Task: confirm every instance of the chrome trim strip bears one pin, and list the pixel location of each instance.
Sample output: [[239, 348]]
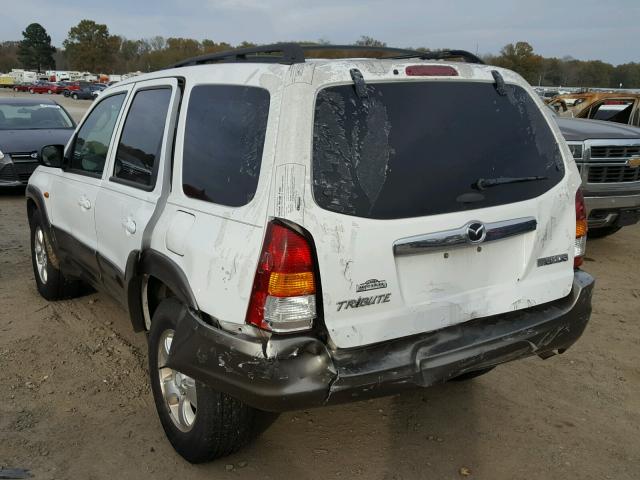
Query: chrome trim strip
[[457, 237]]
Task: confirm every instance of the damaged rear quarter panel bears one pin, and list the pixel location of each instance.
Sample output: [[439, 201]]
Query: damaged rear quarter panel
[[223, 244]]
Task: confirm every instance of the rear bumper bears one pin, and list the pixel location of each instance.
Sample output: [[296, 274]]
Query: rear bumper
[[289, 373], [606, 209]]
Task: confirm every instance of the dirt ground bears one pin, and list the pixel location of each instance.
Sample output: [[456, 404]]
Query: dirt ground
[[75, 401]]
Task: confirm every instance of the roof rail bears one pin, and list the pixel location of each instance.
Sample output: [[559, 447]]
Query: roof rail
[[445, 55], [363, 48], [291, 53]]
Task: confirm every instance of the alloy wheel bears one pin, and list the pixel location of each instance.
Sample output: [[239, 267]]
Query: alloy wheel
[[178, 390], [40, 253]]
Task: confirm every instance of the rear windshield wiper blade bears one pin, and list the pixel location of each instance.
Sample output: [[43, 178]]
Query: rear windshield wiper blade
[[483, 183]]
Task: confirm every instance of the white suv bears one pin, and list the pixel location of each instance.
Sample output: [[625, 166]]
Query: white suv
[[295, 233]]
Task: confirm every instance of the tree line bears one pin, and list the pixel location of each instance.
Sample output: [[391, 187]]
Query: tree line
[[90, 46]]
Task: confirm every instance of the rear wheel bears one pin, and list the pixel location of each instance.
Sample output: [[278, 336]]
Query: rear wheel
[[602, 232], [74, 96], [52, 284], [201, 423]]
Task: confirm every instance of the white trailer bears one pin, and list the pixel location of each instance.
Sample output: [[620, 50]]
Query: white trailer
[[23, 76]]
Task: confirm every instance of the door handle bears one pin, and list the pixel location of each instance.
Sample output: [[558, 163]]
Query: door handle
[[129, 225], [84, 203]]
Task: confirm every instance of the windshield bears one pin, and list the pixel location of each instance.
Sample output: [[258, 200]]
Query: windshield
[[16, 116], [420, 148]]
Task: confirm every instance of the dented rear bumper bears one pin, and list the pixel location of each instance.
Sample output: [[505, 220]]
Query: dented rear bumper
[[290, 373]]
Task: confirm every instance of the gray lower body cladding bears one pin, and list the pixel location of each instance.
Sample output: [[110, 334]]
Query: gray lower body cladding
[[296, 372]]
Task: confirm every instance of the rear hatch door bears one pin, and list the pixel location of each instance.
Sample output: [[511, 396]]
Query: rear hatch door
[[435, 202]]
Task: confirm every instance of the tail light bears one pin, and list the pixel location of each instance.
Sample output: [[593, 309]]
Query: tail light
[[283, 298], [581, 229]]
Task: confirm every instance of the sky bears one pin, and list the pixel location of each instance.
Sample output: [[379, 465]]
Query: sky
[[606, 30]]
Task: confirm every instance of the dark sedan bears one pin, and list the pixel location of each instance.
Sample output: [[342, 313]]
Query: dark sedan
[[88, 92], [27, 125]]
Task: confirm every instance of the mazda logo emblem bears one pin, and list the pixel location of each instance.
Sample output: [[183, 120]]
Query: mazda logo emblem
[[476, 232]]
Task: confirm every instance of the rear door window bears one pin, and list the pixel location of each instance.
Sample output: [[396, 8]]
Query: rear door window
[[420, 148], [223, 143], [136, 162]]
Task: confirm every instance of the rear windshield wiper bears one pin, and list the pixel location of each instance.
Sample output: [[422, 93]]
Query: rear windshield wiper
[[483, 183]]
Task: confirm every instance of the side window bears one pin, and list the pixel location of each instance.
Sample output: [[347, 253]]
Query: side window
[[139, 147], [617, 111], [92, 141], [223, 142]]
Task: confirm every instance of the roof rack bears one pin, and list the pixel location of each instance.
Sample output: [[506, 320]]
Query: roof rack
[[289, 53], [445, 55], [362, 48], [292, 53]]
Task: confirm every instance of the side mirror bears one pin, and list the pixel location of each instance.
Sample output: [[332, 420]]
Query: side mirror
[[52, 156]]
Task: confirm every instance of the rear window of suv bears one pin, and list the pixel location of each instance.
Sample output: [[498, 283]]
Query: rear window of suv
[[417, 149]]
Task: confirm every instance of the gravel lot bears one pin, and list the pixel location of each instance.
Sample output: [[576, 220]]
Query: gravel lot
[[76, 402]]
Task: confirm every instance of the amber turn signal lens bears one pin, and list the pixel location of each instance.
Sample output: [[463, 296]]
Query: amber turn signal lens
[[581, 228], [291, 284]]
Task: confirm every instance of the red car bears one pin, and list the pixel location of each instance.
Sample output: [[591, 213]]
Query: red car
[[72, 87], [57, 87], [22, 87], [44, 87]]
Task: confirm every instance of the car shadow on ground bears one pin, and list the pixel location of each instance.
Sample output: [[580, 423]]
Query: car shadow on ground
[[12, 191], [415, 434]]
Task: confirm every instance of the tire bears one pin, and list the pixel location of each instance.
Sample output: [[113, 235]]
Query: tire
[[217, 425], [602, 231], [469, 375], [74, 96], [52, 284]]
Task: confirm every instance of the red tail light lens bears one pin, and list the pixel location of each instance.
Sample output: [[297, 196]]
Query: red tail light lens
[[431, 71], [581, 229], [283, 295]]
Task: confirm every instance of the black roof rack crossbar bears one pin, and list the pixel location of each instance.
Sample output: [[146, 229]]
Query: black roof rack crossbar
[[445, 55], [288, 53], [291, 53], [363, 48]]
